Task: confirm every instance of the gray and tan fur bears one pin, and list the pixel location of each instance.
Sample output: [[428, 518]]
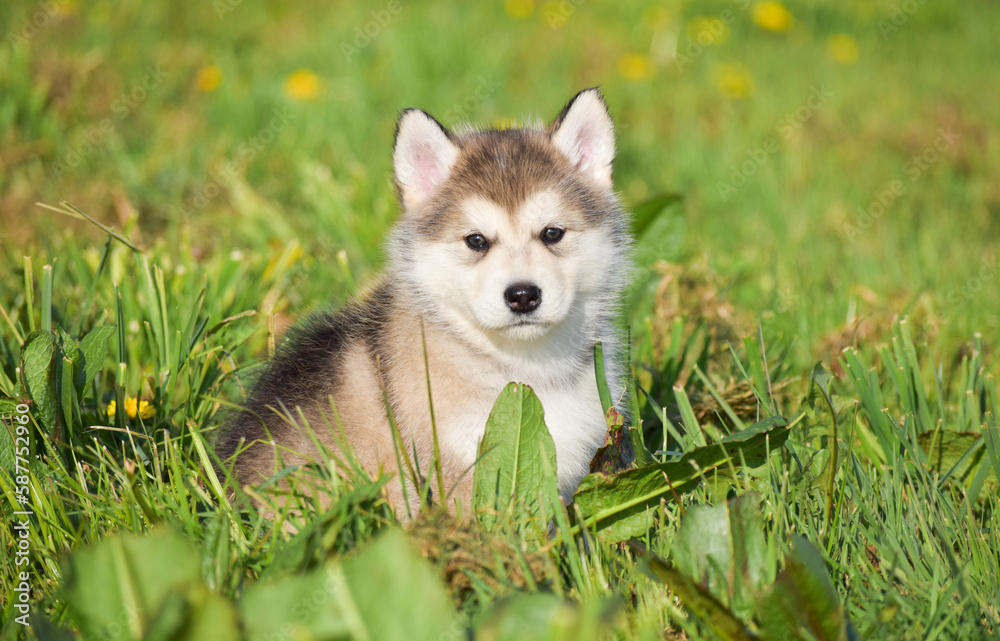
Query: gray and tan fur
[[502, 297]]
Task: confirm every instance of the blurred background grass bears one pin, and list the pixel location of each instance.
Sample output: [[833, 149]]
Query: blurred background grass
[[817, 168], [229, 126]]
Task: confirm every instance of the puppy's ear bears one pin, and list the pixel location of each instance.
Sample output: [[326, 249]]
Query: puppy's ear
[[422, 157], [584, 133]]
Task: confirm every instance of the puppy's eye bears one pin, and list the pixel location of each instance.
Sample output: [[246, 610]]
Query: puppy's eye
[[477, 242], [552, 235]]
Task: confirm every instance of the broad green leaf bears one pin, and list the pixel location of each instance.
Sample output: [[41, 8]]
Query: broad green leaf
[[314, 605], [645, 213], [623, 503], [663, 231], [696, 599], [723, 548], [510, 473], [803, 603], [38, 376], [68, 347], [702, 547], [546, 617], [823, 379], [398, 595], [118, 587], [385, 593], [198, 615], [955, 455], [94, 348], [746, 526]]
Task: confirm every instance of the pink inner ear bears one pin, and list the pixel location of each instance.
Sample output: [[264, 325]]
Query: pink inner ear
[[428, 170], [584, 148]]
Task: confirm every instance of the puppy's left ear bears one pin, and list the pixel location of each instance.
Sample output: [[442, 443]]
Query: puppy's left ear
[[584, 133]]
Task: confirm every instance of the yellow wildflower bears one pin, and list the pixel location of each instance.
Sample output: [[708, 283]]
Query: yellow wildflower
[[735, 80], [208, 78], [773, 16], [635, 67], [505, 123], [706, 30], [133, 407], [842, 48], [519, 9], [302, 85]]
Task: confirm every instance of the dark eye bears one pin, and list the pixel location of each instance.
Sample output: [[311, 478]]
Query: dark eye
[[477, 242], [552, 235]]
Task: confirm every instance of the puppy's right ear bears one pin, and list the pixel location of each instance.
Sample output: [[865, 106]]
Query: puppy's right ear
[[422, 157]]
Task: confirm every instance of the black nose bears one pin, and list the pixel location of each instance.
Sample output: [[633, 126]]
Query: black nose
[[523, 297]]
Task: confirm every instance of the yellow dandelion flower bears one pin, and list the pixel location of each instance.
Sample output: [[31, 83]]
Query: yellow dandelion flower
[[842, 48], [505, 123], [707, 30], [302, 85], [772, 16], [208, 78], [635, 67], [735, 80], [133, 407], [519, 9]]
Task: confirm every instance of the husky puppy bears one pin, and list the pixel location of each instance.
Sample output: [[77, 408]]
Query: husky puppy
[[508, 263]]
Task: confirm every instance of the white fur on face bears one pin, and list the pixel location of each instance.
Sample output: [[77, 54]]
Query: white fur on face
[[469, 287]]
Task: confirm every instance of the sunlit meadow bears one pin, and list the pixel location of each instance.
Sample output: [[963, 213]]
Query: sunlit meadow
[[817, 220]]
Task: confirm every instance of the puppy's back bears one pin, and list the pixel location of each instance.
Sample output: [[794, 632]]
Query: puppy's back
[[306, 372]]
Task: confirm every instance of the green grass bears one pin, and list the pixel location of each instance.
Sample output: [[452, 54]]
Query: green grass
[[890, 472]]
